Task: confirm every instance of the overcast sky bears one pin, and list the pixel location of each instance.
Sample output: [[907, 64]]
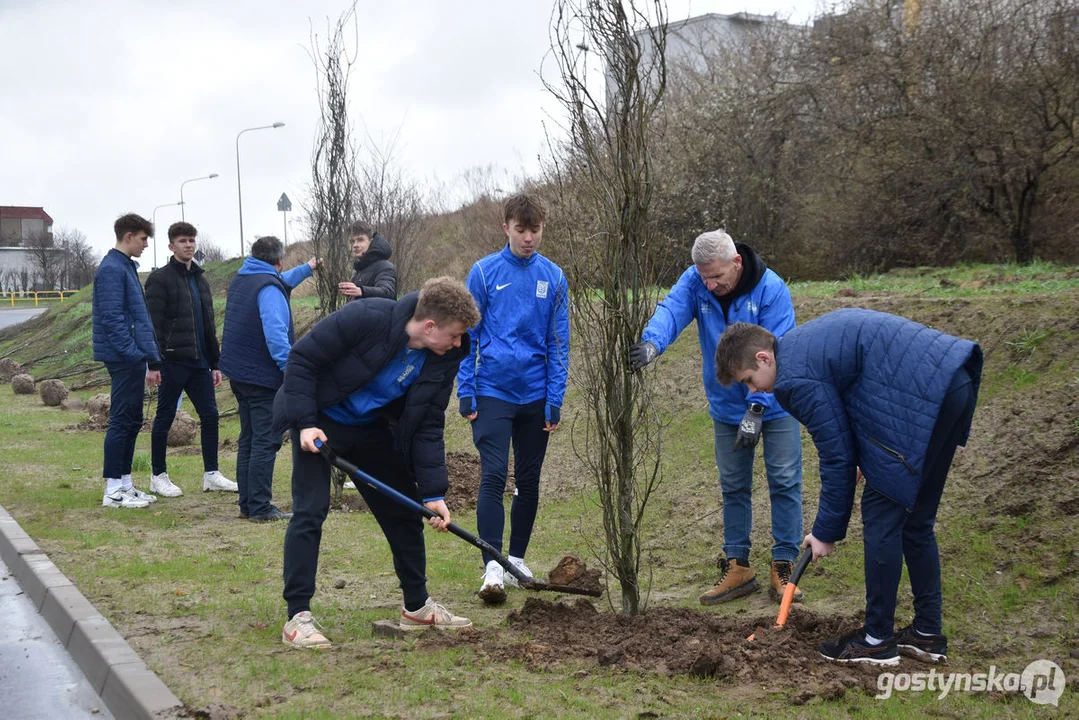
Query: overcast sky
[[107, 106]]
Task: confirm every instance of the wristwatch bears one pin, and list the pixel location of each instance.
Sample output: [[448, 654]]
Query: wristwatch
[[756, 408]]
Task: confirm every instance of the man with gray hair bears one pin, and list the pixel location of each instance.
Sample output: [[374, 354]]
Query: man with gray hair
[[256, 341], [730, 283]]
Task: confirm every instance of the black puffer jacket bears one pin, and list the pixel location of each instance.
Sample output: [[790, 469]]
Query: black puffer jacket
[[374, 273], [168, 297], [344, 352]]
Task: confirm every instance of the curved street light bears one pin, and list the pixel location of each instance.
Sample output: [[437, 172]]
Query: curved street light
[[153, 220], [239, 192], [183, 215]]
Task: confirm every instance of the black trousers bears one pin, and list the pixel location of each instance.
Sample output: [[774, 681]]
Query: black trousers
[[370, 448]]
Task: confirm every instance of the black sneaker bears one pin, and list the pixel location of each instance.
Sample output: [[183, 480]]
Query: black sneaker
[[854, 648], [274, 514], [927, 648]]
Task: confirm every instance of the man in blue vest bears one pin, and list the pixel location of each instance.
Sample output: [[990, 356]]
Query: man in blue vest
[[511, 387], [256, 341], [891, 397], [730, 283], [123, 339], [372, 381], [182, 310]]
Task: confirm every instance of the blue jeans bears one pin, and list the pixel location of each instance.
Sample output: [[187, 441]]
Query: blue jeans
[[257, 448], [125, 417], [892, 534], [199, 384], [497, 425], [782, 440]]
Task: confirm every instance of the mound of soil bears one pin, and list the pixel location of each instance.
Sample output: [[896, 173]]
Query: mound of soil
[[678, 641], [53, 392], [572, 571], [23, 384]]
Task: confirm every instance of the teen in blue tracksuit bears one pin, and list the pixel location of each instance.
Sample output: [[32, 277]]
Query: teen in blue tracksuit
[[255, 344], [891, 397], [124, 340], [730, 283], [512, 385]]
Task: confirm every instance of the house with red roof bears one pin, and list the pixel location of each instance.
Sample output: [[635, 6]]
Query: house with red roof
[[18, 224]]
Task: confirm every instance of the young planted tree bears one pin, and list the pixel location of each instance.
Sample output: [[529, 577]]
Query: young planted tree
[[333, 179], [603, 176]]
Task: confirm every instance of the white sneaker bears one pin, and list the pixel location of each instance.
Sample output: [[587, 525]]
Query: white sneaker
[[432, 614], [121, 499], [162, 485], [493, 591], [349, 485], [216, 481], [301, 632], [140, 495], [520, 565]]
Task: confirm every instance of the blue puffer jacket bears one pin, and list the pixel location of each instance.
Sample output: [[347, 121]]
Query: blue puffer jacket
[[768, 304], [521, 344], [122, 330], [868, 386]]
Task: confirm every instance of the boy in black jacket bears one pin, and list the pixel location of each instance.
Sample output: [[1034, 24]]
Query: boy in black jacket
[[182, 310], [372, 381]]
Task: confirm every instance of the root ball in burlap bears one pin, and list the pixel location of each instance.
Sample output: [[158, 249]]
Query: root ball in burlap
[[53, 392], [183, 429], [9, 369], [23, 384]]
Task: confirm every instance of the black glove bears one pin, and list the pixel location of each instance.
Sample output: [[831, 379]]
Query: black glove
[[466, 406], [640, 354], [749, 431]]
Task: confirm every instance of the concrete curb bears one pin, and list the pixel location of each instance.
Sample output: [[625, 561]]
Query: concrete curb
[[127, 687]]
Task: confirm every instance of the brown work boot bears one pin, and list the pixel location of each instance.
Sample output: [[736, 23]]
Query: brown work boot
[[737, 581], [781, 575]]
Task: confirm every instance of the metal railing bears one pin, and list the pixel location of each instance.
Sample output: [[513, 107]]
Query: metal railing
[[17, 299]]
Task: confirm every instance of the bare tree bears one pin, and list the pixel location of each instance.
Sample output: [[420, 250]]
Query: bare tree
[[333, 180], [80, 259], [46, 259], [603, 177], [395, 205], [211, 251]]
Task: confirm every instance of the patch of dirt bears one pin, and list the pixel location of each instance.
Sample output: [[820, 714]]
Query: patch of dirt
[[677, 641], [572, 571], [464, 472]]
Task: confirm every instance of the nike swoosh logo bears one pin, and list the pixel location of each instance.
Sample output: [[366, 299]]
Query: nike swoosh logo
[[292, 635], [499, 287]]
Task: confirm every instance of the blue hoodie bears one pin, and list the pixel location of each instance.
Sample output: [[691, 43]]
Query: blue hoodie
[[520, 348], [767, 303]]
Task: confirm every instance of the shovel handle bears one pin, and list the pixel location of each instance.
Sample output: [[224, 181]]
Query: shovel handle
[[360, 476], [792, 586]]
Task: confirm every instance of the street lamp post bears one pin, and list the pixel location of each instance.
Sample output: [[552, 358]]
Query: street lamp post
[[239, 192], [153, 220], [183, 215]]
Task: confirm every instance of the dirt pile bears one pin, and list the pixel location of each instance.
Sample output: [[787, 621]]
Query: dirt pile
[[53, 392], [572, 571], [22, 384]]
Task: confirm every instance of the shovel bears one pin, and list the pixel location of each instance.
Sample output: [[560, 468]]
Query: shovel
[[525, 581], [789, 591]]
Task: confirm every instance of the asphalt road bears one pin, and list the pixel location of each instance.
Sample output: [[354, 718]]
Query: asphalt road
[[12, 316]]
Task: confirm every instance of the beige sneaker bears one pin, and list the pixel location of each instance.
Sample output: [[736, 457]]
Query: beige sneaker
[[432, 614], [301, 632]]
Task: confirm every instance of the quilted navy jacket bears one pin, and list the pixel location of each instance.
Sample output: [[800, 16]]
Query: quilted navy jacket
[[345, 351], [868, 386], [122, 330]]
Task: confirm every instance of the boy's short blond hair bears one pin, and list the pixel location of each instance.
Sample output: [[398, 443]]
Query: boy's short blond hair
[[445, 300]]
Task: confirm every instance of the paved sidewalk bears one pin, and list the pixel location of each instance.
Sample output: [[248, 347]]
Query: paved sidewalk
[[38, 679]]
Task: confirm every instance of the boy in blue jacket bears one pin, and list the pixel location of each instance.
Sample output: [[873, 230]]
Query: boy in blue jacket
[[729, 282], [123, 338], [512, 385], [892, 398]]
